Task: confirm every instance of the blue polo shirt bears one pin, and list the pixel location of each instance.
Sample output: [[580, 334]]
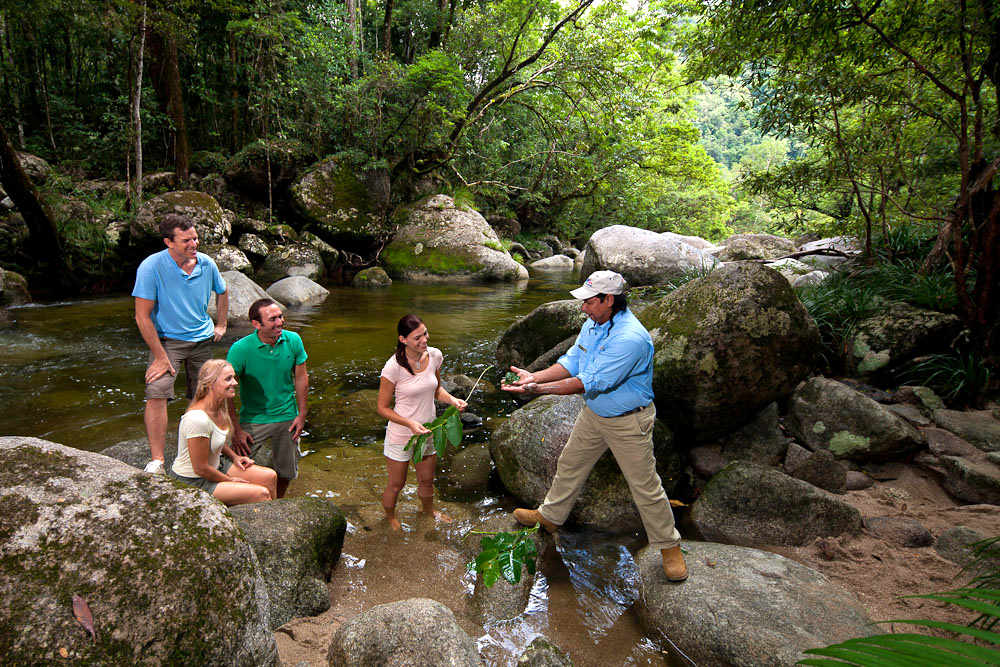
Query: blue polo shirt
[[614, 363], [181, 308]]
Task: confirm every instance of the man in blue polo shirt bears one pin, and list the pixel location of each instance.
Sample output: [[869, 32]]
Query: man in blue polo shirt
[[611, 364], [172, 289], [271, 366]]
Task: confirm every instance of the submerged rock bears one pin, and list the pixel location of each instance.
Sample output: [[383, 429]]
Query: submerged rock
[[374, 276], [465, 474], [744, 607], [145, 554], [753, 505], [553, 263], [543, 653], [298, 543], [417, 632], [503, 600], [641, 256]]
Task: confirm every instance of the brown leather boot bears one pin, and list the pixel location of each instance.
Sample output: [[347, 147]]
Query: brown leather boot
[[673, 564], [527, 517]]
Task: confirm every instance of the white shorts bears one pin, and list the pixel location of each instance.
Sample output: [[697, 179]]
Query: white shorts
[[397, 453]]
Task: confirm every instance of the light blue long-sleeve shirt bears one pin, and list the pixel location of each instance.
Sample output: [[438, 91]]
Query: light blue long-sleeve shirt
[[614, 363]]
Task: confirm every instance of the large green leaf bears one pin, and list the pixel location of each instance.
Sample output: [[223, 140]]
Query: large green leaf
[[440, 441], [454, 427]]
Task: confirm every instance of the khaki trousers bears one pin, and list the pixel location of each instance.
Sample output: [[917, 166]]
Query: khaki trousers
[[630, 438]]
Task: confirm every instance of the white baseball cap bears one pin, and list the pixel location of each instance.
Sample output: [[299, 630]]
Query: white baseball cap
[[600, 282]]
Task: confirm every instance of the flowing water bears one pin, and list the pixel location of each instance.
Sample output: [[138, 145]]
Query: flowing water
[[71, 373]]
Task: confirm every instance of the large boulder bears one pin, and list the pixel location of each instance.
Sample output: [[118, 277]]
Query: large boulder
[[229, 258], [372, 277], [642, 257], [202, 209], [696, 241], [979, 427], [754, 505], [727, 345], [745, 607], [247, 171], [35, 168], [342, 205], [295, 259], [884, 341], [297, 542], [538, 332], [438, 240], [166, 573], [526, 449], [826, 414], [740, 247], [242, 293], [13, 288], [254, 246], [416, 632], [553, 263], [297, 290]]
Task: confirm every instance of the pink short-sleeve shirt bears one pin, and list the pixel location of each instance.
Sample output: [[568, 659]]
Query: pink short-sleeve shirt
[[414, 396]]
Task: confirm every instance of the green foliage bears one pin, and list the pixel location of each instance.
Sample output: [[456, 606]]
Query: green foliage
[[510, 378], [962, 378], [446, 428], [837, 305], [504, 555]]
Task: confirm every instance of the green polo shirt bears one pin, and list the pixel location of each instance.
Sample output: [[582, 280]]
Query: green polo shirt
[[267, 377]]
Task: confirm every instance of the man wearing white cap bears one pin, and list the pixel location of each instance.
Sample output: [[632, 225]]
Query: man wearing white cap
[[611, 364]]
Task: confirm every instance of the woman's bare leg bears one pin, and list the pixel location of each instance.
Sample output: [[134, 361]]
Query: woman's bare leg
[[396, 471], [425, 487], [260, 475], [241, 493]]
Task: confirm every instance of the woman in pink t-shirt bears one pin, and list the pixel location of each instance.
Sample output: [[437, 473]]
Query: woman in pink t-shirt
[[410, 382]]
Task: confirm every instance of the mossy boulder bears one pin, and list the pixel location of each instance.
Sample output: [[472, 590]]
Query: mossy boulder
[[754, 505], [754, 246], [202, 209], [229, 258], [330, 255], [744, 607], [727, 345], [254, 246], [440, 241], [242, 293], [13, 288], [374, 276], [417, 632], [247, 171], [641, 256], [342, 205], [826, 414], [537, 332], [297, 542], [527, 446], [296, 259], [167, 574], [884, 341]]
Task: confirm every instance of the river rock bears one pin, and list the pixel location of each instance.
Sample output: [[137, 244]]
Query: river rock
[[330, 255], [503, 600], [740, 247], [440, 241], [754, 505], [374, 276], [136, 452], [343, 205], [543, 653], [790, 268], [921, 397], [13, 288], [158, 182], [910, 413], [13, 233], [553, 263], [641, 256], [899, 531], [527, 446], [297, 542], [417, 632], [145, 554], [200, 208], [820, 469], [978, 427], [247, 171], [830, 415], [727, 345], [744, 607], [957, 545], [537, 332], [297, 290], [291, 260], [465, 475], [972, 479], [242, 293], [229, 258], [848, 245], [857, 481], [254, 246], [695, 241], [895, 335]]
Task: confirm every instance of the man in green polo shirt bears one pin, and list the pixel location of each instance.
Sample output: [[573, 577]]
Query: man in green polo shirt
[[271, 366]]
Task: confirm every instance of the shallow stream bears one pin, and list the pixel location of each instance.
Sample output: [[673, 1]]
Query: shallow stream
[[71, 373]]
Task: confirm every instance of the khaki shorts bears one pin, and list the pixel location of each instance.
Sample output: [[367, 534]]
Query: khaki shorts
[[284, 450], [182, 354]]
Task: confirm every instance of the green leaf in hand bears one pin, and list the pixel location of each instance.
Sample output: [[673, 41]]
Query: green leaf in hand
[[510, 378]]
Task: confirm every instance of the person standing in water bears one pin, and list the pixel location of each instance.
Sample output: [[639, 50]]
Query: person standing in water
[[410, 381]]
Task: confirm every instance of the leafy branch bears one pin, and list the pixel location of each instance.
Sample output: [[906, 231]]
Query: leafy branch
[[504, 555]]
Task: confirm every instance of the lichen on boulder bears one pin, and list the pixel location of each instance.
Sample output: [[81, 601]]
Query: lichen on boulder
[[340, 204], [202, 209], [896, 334]]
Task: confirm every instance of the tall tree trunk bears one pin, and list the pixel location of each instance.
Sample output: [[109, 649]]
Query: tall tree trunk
[[167, 79], [44, 243], [136, 190], [387, 30], [352, 43], [234, 93]]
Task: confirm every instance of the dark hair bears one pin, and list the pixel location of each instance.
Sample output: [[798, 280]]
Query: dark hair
[[172, 221], [257, 306], [619, 304], [406, 325]]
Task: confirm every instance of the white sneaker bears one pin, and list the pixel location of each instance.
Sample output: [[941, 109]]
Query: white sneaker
[[156, 467]]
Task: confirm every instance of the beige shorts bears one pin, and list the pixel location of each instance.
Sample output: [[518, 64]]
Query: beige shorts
[[397, 453], [182, 354], [284, 450]]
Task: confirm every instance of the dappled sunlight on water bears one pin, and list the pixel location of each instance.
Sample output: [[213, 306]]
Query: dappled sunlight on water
[[72, 373]]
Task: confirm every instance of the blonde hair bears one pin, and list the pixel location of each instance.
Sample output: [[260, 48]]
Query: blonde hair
[[207, 376]]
